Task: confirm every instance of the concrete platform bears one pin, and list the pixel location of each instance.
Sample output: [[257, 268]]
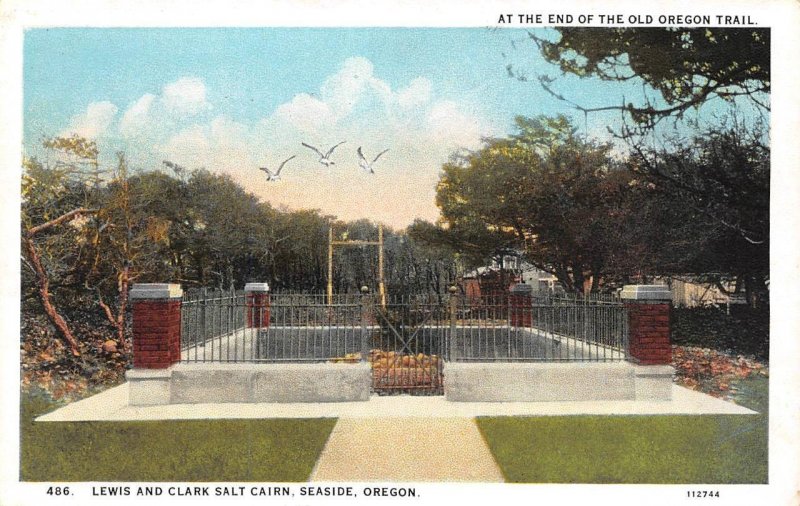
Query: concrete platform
[[113, 405], [239, 383], [556, 382]]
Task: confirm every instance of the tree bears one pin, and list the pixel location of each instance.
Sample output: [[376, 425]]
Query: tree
[[544, 191], [687, 67], [416, 265], [54, 196], [720, 178], [298, 255], [717, 176], [126, 242]]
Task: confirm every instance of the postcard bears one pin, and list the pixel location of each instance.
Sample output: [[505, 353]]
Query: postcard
[[329, 252]]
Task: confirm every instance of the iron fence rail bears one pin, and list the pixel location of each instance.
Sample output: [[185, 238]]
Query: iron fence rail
[[424, 328], [212, 325], [313, 328], [218, 326], [542, 328]]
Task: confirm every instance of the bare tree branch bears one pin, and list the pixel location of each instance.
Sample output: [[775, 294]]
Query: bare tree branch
[[61, 219]]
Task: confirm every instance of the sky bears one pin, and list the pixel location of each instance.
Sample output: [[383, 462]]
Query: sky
[[232, 100]]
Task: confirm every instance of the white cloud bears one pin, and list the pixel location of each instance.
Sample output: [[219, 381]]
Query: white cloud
[[353, 82], [222, 144], [305, 113], [186, 96], [441, 123], [93, 122], [189, 146], [356, 105], [417, 93], [153, 118], [136, 118]]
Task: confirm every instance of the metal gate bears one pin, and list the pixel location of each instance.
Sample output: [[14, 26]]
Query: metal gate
[[408, 345]]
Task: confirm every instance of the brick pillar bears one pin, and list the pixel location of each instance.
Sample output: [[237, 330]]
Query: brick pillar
[[648, 308], [257, 300], [521, 304], [156, 325], [648, 323]]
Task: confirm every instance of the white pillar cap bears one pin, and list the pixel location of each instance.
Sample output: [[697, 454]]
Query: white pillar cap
[[256, 287], [156, 291], [659, 293]]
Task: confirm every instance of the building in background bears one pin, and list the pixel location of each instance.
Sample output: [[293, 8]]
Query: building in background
[[695, 291], [504, 272]]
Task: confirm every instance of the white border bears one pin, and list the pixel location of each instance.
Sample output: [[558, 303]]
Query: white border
[[784, 18]]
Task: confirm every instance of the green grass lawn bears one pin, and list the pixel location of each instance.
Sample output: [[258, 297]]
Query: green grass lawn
[[191, 450], [634, 449]]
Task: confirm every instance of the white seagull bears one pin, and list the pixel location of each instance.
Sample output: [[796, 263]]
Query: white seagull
[[364, 164], [326, 158], [275, 176]]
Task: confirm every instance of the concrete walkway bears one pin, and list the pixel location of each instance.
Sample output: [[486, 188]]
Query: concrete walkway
[[113, 405], [406, 449]]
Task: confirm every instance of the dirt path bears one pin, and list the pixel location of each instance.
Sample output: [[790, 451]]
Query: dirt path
[[406, 449]]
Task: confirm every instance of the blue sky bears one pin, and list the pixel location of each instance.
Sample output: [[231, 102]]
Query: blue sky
[[250, 71], [268, 65], [232, 100]]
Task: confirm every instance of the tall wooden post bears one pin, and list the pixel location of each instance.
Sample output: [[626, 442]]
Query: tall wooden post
[[381, 287], [330, 265], [451, 336], [345, 242]]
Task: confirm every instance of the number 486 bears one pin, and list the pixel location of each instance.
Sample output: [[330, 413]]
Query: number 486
[[58, 491]]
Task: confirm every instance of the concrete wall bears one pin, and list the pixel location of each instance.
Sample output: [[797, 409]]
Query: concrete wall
[[544, 381], [465, 382], [215, 383]]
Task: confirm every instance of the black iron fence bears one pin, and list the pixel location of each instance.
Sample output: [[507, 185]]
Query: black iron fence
[[410, 333], [546, 328], [212, 324]]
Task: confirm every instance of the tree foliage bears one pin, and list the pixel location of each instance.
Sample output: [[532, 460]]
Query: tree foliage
[[57, 203], [545, 191], [698, 208], [719, 182], [686, 66]]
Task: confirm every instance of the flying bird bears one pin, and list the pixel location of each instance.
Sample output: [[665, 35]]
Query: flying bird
[[364, 164], [326, 158], [275, 176]]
